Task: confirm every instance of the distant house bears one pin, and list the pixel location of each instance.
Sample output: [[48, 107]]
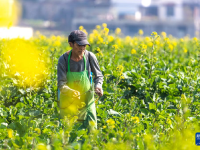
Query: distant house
[[176, 17]]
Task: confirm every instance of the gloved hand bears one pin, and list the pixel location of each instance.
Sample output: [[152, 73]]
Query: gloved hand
[[76, 94], [68, 91], [99, 91]]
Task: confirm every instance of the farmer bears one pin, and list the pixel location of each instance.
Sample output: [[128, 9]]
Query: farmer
[[74, 81]]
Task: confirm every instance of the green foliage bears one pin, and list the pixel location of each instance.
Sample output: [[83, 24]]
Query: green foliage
[[151, 97]]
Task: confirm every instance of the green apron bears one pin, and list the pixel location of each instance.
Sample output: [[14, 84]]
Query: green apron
[[84, 107]]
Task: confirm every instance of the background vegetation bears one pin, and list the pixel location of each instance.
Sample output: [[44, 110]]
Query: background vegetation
[[151, 93]]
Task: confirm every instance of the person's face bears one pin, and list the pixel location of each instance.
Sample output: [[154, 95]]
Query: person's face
[[78, 49]]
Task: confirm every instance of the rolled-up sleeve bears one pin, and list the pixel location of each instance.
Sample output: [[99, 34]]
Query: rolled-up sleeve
[[98, 79]]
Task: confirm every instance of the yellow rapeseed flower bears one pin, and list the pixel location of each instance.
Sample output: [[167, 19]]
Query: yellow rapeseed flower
[[100, 40], [110, 122], [10, 133], [98, 27], [164, 34], [41, 146], [195, 39], [169, 121], [150, 44], [147, 39], [140, 32], [42, 37], [110, 38], [26, 62], [115, 46], [53, 37], [91, 40], [91, 35], [166, 40], [95, 32], [99, 54], [52, 49], [9, 12], [171, 47], [82, 104], [104, 25], [105, 42], [106, 31], [117, 31], [98, 49], [119, 41], [133, 51], [120, 68], [128, 39], [29, 139], [85, 31], [121, 77], [185, 50], [38, 130], [157, 42], [174, 43], [81, 27], [143, 47], [104, 127], [57, 43], [155, 34], [58, 38], [135, 119]]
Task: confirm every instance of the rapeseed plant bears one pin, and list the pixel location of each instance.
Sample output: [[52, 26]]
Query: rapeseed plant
[[10, 133], [140, 32], [117, 31], [25, 63], [133, 51], [104, 25]]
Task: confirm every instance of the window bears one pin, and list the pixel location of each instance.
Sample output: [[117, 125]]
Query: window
[[170, 10], [152, 11]]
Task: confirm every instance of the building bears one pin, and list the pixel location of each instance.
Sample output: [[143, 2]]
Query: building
[[178, 18], [62, 14]]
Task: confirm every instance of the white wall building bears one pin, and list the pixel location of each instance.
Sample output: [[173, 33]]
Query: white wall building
[[176, 17]]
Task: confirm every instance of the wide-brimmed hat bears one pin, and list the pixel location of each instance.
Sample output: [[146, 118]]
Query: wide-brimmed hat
[[79, 37]]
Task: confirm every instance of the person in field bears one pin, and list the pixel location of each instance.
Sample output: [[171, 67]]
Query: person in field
[[76, 91]]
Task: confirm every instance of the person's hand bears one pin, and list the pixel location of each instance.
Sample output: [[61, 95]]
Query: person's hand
[[99, 91], [70, 92], [76, 94]]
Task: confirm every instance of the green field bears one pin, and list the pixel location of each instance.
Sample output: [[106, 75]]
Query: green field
[[151, 93]]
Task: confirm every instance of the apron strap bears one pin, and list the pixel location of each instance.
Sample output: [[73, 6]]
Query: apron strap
[[69, 60], [84, 61]]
